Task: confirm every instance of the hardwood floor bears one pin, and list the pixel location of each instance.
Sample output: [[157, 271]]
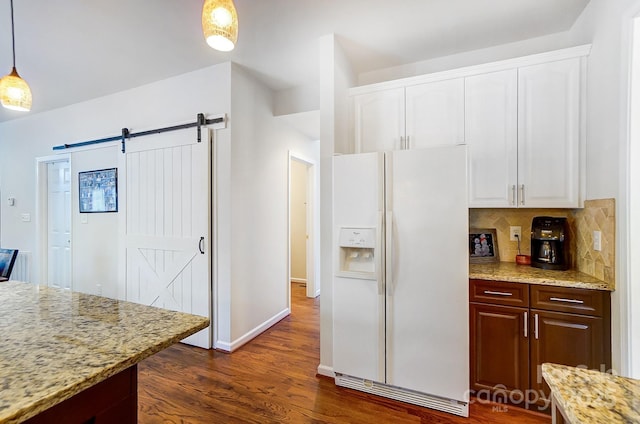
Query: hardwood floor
[[273, 379]]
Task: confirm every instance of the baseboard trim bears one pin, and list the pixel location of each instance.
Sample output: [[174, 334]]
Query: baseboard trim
[[326, 371], [299, 280], [250, 335]]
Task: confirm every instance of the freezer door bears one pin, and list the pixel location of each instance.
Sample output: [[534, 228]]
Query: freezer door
[[358, 303], [427, 317]]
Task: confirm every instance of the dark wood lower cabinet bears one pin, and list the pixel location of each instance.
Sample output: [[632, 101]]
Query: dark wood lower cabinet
[[567, 339], [114, 400], [499, 350], [508, 345]]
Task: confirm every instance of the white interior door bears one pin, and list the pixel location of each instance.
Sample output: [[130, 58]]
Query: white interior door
[[59, 224], [167, 224], [298, 221]]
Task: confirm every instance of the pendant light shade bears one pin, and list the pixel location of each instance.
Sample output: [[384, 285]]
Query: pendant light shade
[[220, 24], [15, 93]]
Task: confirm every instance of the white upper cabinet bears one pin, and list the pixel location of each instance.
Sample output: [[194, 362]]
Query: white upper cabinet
[[522, 128], [522, 120], [491, 128], [549, 134], [424, 115], [379, 121], [435, 114]]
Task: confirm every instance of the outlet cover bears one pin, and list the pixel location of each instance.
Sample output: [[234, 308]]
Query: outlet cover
[[597, 241], [513, 231]]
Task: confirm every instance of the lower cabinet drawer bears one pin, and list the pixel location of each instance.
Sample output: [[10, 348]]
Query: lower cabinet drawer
[[499, 293], [567, 299]]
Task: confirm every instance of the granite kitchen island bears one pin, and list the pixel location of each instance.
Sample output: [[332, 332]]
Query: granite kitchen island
[[72, 357], [583, 396]]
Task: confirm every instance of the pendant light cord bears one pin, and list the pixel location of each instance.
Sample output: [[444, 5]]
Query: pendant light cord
[[13, 37]]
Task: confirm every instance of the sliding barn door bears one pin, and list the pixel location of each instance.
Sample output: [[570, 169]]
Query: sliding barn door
[[167, 224]]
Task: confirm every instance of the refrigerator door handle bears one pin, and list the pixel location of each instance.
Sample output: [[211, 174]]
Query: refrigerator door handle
[[390, 256], [380, 263]]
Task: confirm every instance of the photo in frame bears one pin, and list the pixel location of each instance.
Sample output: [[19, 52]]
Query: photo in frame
[[483, 245], [98, 190]]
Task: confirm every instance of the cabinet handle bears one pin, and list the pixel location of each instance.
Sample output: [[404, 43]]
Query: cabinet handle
[[561, 299], [522, 194], [535, 325], [497, 293], [401, 142], [513, 194], [526, 324], [408, 142]]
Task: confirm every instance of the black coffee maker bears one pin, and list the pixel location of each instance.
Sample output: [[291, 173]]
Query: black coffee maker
[[549, 243]]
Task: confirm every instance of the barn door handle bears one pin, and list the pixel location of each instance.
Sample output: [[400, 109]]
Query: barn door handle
[[201, 245]]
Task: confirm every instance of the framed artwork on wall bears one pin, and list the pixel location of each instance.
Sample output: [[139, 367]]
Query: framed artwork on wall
[[98, 190], [483, 245]]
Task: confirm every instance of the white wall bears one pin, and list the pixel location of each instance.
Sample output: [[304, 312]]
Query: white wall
[[336, 77], [299, 99], [607, 25], [259, 281], [95, 243]]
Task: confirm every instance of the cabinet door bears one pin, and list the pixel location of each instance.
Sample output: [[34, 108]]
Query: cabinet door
[[499, 347], [567, 339], [379, 121], [491, 133], [435, 114], [548, 134]]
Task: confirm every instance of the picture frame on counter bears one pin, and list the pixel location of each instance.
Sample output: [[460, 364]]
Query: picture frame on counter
[[98, 190], [483, 246]]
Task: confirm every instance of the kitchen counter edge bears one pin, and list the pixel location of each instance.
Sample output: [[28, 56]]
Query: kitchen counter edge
[[514, 273]]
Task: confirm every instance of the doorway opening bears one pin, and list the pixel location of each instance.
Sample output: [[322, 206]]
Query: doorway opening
[[53, 222], [302, 225]]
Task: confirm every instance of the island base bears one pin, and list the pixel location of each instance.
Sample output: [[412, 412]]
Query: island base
[[114, 400]]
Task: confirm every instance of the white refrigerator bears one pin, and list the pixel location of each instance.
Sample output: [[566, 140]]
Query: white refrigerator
[[400, 291]]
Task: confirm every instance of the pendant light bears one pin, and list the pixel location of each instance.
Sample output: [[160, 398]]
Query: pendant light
[[15, 93], [220, 24]]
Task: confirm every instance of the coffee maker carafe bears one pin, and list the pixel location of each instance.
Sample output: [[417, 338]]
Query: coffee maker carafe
[[549, 243]]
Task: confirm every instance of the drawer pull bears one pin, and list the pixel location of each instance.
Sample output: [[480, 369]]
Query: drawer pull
[[561, 299], [497, 293]]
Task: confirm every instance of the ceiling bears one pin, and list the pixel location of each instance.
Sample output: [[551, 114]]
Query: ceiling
[[74, 50]]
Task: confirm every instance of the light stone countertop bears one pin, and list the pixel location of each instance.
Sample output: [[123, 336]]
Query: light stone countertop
[[593, 397], [57, 343], [512, 272]]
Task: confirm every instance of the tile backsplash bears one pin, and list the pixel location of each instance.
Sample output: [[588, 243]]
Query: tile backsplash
[[597, 215]]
